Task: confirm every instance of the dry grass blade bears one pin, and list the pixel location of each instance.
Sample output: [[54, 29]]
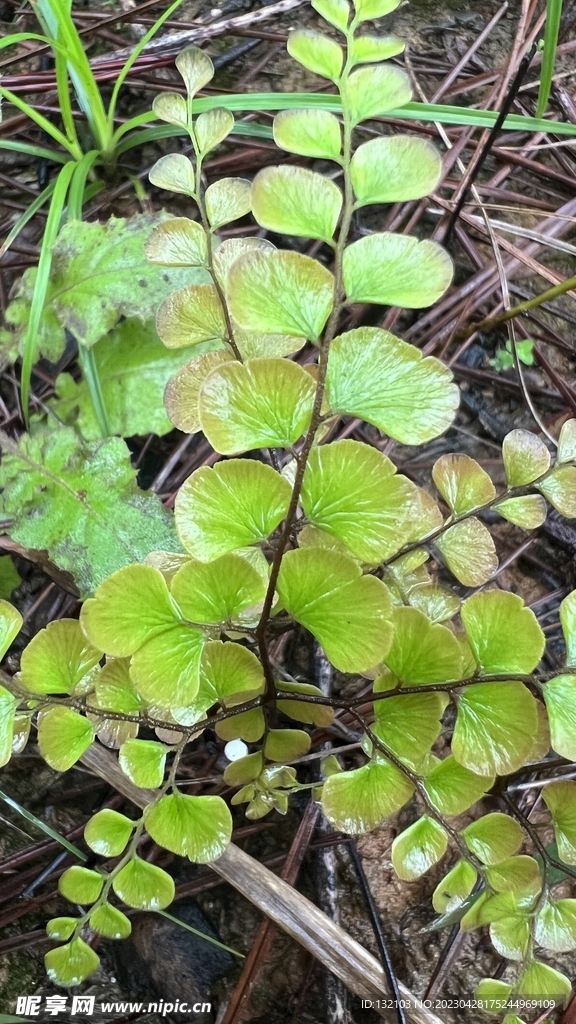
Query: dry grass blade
[[291, 911]]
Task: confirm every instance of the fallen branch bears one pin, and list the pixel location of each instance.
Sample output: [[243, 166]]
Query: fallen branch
[[175, 41]]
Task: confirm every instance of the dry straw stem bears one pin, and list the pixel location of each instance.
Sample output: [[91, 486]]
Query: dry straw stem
[[175, 41], [296, 915]]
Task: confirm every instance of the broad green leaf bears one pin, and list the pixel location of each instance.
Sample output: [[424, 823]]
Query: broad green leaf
[[473, 906], [182, 393], [312, 714], [63, 736], [517, 874], [144, 886], [246, 769], [409, 725], [463, 484], [314, 133], [543, 982], [212, 128], [108, 832], [226, 200], [114, 690], [286, 744], [231, 249], [175, 173], [8, 705], [493, 838], [526, 457], [369, 10], [312, 537], [99, 274], [568, 622], [455, 887], [178, 242], [493, 994], [369, 92], [296, 201], [422, 652], [129, 608], [57, 658], [504, 635], [560, 699], [359, 800], [452, 788], [317, 53], [437, 603], [528, 512], [81, 885], [61, 927], [143, 762], [9, 577], [196, 69], [266, 402], [280, 293], [396, 270], [256, 345], [71, 964], [395, 168], [10, 624], [229, 674], [495, 727], [219, 591], [560, 489], [236, 503], [556, 926], [197, 827], [469, 552], [372, 49], [165, 670], [418, 848], [133, 368], [377, 377], [18, 724], [567, 443], [335, 12], [560, 799], [170, 107], [192, 316], [351, 491], [347, 612], [80, 502], [248, 726], [510, 933], [110, 922]]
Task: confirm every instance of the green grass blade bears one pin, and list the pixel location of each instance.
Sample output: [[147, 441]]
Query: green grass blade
[[87, 361], [271, 101], [28, 816], [42, 122], [189, 928], [20, 37], [78, 184], [42, 278], [76, 199], [64, 100], [165, 131], [411, 112], [23, 219], [553, 16], [55, 16], [31, 150], [132, 58]]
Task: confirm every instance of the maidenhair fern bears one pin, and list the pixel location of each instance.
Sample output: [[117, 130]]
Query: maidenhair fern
[[327, 535]]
